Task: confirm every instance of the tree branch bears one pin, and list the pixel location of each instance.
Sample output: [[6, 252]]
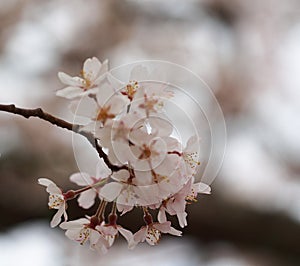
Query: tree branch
[[103, 155], [38, 112]]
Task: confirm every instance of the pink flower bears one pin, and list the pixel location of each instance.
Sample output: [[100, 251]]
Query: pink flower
[[87, 198], [152, 233], [111, 230], [82, 230], [191, 155], [176, 204], [57, 200], [92, 74]]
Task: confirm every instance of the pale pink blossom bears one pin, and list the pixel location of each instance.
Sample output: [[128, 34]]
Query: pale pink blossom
[[111, 230], [152, 232], [86, 198], [101, 109], [91, 75], [176, 204], [191, 155], [81, 231], [57, 200]]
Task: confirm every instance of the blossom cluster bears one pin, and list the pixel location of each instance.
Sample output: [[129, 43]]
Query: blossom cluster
[[141, 165]]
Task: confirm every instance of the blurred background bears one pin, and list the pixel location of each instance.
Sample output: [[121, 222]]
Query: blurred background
[[248, 52]]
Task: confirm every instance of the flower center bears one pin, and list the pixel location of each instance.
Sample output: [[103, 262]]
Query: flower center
[[153, 236], [87, 83], [191, 159], [103, 114], [55, 201], [84, 235], [130, 89]]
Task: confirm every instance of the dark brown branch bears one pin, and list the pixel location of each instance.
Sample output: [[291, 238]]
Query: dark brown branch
[[38, 112], [103, 155]]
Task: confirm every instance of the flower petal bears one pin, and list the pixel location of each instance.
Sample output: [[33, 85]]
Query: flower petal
[[163, 227], [70, 92], [71, 81], [140, 235], [161, 217], [54, 189], [201, 188], [127, 235], [110, 191], [76, 224], [57, 217], [175, 232], [45, 182], [182, 219], [91, 68], [81, 179], [87, 198], [102, 170]]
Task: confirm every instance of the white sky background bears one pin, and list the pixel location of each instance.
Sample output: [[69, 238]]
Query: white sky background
[[260, 141]]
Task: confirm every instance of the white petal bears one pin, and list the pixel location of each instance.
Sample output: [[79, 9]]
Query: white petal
[[117, 104], [45, 182], [110, 191], [140, 235], [167, 166], [71, 81], [192, 144], [102, 170], [105, 94], [114, 82], [127, 235], [69, 92], [175, 232], [91, 68], [57, 217], [163, 227], [202, 188], [102, 74], [161, 126], [121, 175], [87, 198], [85, 107], [94, 237], [182, 219], [161, 217], [53, 189], [73, 234], [139, 73], [76, 224], [81, 179]]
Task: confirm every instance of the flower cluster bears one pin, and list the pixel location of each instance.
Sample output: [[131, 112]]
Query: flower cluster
[[142, 164]]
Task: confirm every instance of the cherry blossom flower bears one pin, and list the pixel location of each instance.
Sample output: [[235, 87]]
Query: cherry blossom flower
[[121, 191], [87, 198], [176, 204], [92, 74], [57, 200], [82, 230], [100, 109], [191, 156], [152, 231], [111, 230]]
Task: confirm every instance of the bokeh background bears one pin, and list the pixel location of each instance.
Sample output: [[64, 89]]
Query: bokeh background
[[248, 52]]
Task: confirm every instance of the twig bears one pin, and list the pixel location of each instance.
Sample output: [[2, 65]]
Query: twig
[[103, 155], [38, 112]]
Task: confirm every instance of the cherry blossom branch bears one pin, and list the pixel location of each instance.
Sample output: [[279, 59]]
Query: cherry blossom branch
[[38, 112], [103, 155]]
